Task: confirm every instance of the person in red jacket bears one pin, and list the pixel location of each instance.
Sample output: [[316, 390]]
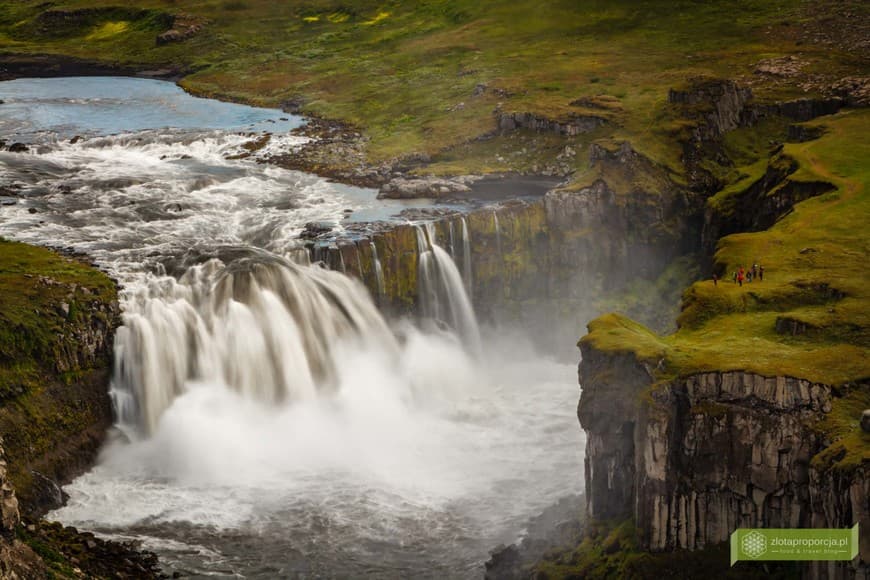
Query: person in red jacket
[[741, 275]]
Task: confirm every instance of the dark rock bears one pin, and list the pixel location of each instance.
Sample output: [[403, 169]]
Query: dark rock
[[557, 527], [570, 126], [802, 133], [792, 326], [293, 105], [184, 26], [314, 230], [404, 188], [658, 455], [865, 420], [18, 148]]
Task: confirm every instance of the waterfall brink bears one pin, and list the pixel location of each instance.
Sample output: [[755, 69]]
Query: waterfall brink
[[261, 325], [443, 298], [466, 255]]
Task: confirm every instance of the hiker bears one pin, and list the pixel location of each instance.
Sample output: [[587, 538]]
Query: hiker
[[734, 276], [760, 273], [741, 275], [754, 270], [749, 276], [715, 280]]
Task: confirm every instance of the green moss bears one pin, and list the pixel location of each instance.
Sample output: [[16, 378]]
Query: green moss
[[57, 564], [850, 447], [610, 550], [614, 333], [41, 406], [815, 269], [34, 283]]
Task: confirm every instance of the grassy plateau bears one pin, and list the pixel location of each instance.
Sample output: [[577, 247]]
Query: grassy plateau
[[406, 72]]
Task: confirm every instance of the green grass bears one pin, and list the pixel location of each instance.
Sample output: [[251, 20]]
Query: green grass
[[610, 550], [399, 69], [816, 272], [34, 282], [616, 333]]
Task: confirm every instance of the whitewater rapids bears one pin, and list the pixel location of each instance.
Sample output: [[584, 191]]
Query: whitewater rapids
[[271, 423]]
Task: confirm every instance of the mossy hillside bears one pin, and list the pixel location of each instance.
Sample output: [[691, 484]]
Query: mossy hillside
[[851, 444], [407, 72], [815, 271], [815, 268], [51, 398]]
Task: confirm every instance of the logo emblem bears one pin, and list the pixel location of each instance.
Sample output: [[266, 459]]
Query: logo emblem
[[754, 544]]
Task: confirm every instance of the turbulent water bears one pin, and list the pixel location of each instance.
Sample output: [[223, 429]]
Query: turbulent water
[[271, 423]]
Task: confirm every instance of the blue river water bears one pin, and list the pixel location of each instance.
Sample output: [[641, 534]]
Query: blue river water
[[66, 107]]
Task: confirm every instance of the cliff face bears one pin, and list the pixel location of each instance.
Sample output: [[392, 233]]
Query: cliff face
[[693, 459], [16, 559], [58, 318]]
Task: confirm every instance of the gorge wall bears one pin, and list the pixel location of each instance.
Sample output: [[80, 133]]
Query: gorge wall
[[692, 459], [687, 455]]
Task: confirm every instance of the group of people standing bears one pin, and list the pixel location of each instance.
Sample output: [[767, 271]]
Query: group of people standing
[[741, 275]]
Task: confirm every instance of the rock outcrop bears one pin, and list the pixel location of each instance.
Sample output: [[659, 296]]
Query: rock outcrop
[[183, 26], [17, 561], [694, 458], [435, 187], [761, 204], [570, 126]]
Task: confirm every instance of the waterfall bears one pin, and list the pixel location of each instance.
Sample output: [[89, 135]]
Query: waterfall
[[359, 266], [261, 325], [497, 233], [379, 271], [442, 296], [452, 244], [466, 255]]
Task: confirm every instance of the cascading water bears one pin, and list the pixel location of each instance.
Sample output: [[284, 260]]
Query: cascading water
[[442, 295], [379, 271], [276, 425], [262, 326], [497, 234], [466, 255]]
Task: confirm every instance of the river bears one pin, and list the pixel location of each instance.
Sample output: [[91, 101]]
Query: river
[[271, 422]]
